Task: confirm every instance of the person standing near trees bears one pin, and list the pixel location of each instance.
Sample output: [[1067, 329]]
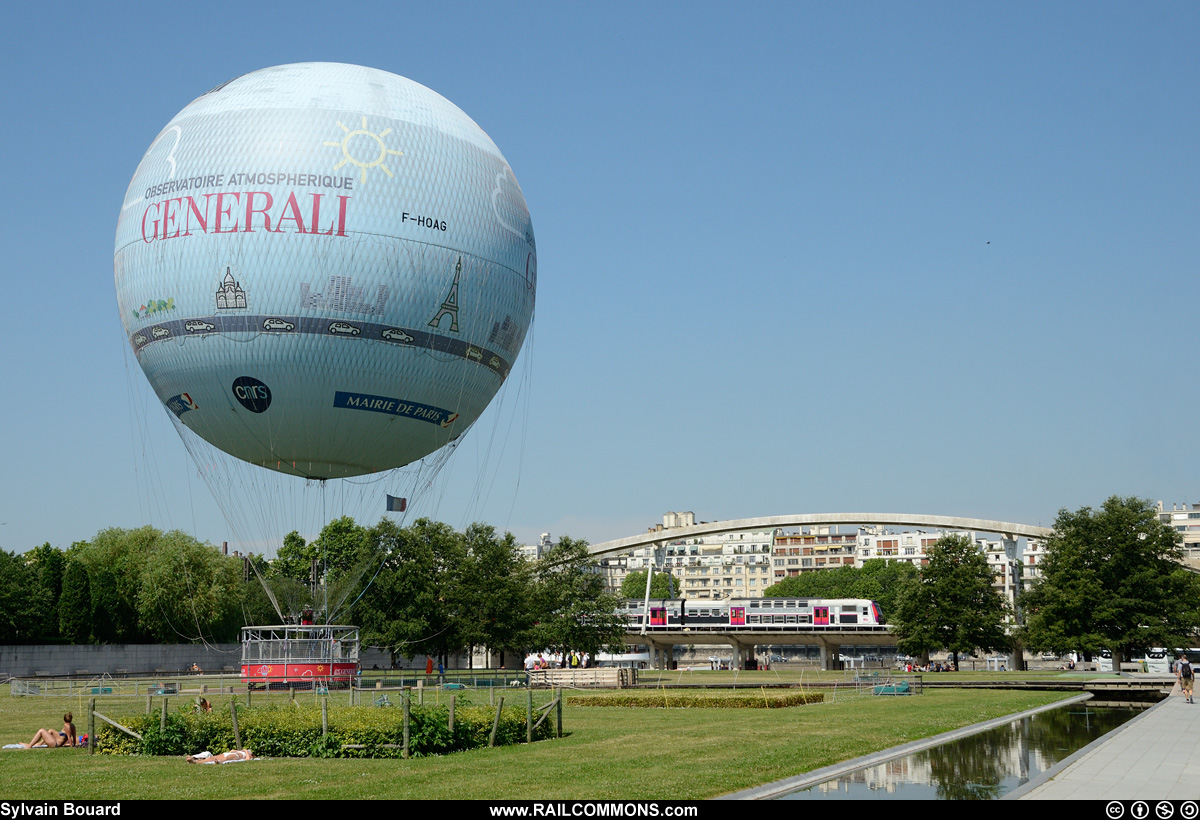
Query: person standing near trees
[[1185, 675]]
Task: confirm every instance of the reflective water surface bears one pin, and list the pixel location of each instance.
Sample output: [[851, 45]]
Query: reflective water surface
[[980, 767]]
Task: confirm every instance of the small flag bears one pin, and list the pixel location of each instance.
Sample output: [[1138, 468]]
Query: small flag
[[396, 504]]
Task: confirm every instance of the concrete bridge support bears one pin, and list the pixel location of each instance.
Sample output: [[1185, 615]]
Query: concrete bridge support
[[661, 654], [742, 652], [830, 654]]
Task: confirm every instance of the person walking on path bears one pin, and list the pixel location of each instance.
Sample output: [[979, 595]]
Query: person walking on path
[[1185, 675]]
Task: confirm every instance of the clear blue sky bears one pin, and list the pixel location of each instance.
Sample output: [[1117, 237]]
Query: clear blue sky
[[793, 257]]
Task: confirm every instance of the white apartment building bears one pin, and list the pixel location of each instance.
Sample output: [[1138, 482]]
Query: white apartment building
[[824, 548], [728, 565], [811, 550], [534, 552], [1031, 562], [1184, 520]]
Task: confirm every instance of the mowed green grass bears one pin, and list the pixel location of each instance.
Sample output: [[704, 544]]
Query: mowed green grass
[[607, 753]]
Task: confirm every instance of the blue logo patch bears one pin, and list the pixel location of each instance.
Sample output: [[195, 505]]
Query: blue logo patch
[[394, 407], [181, 404]]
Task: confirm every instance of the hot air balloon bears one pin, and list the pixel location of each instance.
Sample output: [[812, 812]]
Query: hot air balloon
[[324, 269]]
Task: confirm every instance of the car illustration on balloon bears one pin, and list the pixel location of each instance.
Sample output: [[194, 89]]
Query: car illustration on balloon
[[475, 353], [198, 326], [494, 362], [343, 327], [280, 324], [395, 334], [139, 339], [160, 332]]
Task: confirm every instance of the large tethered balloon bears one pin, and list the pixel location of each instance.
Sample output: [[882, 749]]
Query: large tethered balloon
[[325, 269]]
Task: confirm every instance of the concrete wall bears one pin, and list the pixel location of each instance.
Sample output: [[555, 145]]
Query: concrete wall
[[137, 659]]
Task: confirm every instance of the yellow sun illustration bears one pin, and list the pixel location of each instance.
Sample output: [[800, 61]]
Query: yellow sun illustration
[[364, 164]]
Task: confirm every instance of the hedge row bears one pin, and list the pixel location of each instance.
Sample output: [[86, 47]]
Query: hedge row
[[296, 731], [663, 700]]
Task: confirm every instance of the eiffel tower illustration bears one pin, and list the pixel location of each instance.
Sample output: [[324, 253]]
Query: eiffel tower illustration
[[450, 305]]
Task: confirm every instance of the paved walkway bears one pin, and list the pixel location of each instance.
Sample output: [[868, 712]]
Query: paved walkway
[[1155, 756]]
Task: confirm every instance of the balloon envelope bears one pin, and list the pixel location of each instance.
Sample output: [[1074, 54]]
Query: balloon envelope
[[325, 269]]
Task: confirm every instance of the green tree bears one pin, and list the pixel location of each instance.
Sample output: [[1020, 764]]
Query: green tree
[[822, 583], [885, 582], [877, 580], [408, 605], [22, 616], [662, 585], [953, 606], [266, 597], [189, 591], [75, 603], [571, 610], [48, 562], [1111, 579], [293, 559], [492, 590], [114, 559], [339, 549]]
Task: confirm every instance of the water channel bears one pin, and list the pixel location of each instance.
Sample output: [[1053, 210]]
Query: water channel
[[983, 766]]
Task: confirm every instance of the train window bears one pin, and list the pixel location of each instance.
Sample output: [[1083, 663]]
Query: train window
[[780, 618], [754, 619], [791, 604], [804, 619], [848, 618], [791, 619]]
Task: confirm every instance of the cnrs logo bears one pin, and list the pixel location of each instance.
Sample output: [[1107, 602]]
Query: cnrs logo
[[251, 394]]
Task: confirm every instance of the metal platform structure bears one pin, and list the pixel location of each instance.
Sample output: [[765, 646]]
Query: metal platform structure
[[299, 656]]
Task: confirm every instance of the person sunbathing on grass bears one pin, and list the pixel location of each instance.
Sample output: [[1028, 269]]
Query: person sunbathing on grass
[[53, 740], [233, 756]]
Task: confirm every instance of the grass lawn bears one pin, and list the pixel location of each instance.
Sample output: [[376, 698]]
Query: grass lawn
[[607, 753]]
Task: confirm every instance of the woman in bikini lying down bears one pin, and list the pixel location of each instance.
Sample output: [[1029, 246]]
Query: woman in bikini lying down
[[225, 757]]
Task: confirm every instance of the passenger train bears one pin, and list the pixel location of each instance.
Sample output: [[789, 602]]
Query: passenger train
[[752, 612]]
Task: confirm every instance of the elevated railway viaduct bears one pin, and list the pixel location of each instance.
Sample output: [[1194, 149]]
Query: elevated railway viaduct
[[828, 639]]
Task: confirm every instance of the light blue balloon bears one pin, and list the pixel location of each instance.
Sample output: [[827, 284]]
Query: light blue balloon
[[325, 269]]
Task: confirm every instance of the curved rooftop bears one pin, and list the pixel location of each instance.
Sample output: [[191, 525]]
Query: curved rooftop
[[771, 522]]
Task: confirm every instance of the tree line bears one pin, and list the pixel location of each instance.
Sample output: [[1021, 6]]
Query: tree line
[[1111, 579], [424, 589]]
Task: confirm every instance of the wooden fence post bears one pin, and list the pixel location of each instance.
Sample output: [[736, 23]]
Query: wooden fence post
[[237, 735], [149, 705], [162, 718], [558, 693], [92, 726], [451, 724], [496, 723], [407, 711], [529, 715], [324, 717]]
